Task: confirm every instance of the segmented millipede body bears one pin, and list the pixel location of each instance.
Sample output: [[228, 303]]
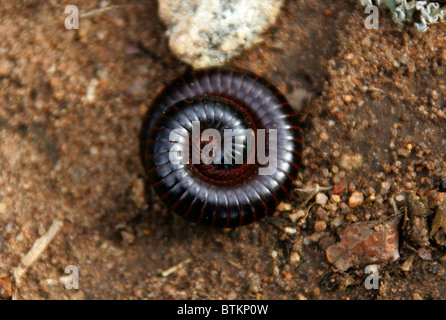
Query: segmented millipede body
[[226, 193]]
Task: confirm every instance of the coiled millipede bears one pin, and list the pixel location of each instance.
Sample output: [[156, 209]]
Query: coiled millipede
[[233, 192]]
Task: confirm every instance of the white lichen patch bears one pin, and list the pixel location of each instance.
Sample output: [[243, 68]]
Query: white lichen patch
[[404, 11]]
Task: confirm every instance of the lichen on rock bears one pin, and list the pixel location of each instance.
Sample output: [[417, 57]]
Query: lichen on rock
[[206, 33]]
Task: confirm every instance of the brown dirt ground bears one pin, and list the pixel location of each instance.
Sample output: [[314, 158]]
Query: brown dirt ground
[[69, 156]]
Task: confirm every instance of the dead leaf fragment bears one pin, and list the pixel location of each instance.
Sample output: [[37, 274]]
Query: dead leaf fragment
[[365, 243], [438, 230]]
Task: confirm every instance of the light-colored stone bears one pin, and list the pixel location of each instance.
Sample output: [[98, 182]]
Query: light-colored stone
[[298, 97], [321, 198], [206, 33], [351, 161], [138, 192], [283, 206], [335, 198], [356, 199], [320, 226]]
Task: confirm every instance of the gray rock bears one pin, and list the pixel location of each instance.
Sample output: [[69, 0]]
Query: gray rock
[[206, 33]]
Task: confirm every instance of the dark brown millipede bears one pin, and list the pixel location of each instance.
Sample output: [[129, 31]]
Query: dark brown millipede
[[220, 195]]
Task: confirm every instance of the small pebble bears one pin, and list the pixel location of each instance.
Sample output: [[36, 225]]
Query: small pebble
[[290, 230], [137, 193], [385, 187], [294, 258], [283, 206], [349, 56], [325, 172], [321, 199], [94, 151], [320, 226], [356, 199], [407, 265], [347, 98], [301, 297], [127, 237], [417, 296], [321, 213], [297, 215], [344, 206], [276, 271], [404, 153], [351, 161], [336, 154], [425, 254], [288, 276], [255, 285], [324, 136], [274, 254], [338, 188], [90, 95], [332, 208], [351, 187], [338, 221], [371, 191], [351, 217]]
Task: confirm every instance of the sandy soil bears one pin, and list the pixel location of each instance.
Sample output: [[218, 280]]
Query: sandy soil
[[71, 105]]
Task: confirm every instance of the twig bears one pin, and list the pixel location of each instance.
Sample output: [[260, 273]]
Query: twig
[[38, 247], [97, 11], [395, 208], [373, 89], [175, 268], [316, 189], [235, 264]]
